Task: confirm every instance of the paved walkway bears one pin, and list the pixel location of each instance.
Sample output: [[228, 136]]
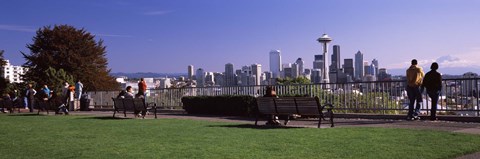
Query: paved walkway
[[456, 127]]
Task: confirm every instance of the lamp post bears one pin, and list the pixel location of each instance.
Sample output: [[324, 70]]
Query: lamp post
[[324, 40]]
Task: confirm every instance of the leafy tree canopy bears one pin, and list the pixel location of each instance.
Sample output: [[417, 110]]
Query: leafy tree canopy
[[289, 81], [72, 50], [2, 59]]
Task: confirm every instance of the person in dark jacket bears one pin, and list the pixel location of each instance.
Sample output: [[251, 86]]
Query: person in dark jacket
[[433, 83]]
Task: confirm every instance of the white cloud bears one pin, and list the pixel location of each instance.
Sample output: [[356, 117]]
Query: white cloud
[[160, 12], [18, 28], [468, 59]]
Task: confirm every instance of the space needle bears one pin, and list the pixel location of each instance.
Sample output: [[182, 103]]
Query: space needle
[[324, 40]]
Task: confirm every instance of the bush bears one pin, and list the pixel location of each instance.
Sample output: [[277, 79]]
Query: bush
[[220, 105]]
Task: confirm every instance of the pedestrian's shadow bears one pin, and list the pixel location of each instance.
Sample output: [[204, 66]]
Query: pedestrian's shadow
[[251, 126], [28, 114], [105, 118]]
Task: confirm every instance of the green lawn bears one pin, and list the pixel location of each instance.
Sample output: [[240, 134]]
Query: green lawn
[[32, 136]]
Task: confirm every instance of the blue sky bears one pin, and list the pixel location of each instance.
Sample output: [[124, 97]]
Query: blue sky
[[166, 36]]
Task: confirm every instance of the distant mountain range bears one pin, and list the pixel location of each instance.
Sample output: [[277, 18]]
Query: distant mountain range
[[445, 71], [147, 74]]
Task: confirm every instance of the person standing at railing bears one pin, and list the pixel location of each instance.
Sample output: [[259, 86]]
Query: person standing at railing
[[30, 94], [142, 87], [433, 83], [414, 81]]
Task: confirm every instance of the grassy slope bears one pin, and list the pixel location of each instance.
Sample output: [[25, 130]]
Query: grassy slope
[[30, 136]]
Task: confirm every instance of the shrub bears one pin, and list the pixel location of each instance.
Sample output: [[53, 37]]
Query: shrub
[[220, 105]]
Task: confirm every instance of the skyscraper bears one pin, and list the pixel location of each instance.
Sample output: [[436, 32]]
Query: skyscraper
[[318, 62], [200, 75], [229, 75], [375, 62], [275, 63], [359, 72], [295, 70], [190, 72], [299, 63], [348, 67], [257, 72], [335, 59]]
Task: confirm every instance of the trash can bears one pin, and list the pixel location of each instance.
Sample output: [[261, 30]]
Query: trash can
[[84, 102]]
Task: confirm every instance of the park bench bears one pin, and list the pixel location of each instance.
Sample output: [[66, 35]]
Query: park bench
[[10, 105], [137, 105], [304, 106]]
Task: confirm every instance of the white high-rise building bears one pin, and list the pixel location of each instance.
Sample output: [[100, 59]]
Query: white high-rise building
[[229, 75], [359, 72], [190, 72], [12, 73], [257, 72], [200, 76], [275, 63]]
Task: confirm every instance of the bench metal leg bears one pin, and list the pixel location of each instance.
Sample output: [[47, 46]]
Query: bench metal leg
[[125, 113], [287, 120], [155, 111], [320, 120], [256, 120], [114, 111], [331, 118]]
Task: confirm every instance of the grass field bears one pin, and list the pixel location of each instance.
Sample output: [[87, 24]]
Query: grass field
[[32, 136]]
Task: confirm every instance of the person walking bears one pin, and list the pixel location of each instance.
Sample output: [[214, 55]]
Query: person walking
[[78, 89], [433, 83], [414, 81], [30, 94], [46, 90]]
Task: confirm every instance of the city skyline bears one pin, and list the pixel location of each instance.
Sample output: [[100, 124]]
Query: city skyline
[[170, 35]]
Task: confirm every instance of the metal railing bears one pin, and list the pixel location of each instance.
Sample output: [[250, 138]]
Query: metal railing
[[459, 96]]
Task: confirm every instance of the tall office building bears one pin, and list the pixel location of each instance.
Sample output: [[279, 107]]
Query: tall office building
[[348, 67], [190, 72], [316, 76], [229, 75], [375, 62], [335, 59], [359, 72], [209, 79], [318, 62], [257, 72], [200, 76], [300, 63], [275, 63], [295, 70]]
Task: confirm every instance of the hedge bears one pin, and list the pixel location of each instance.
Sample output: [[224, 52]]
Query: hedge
[[220, 105]]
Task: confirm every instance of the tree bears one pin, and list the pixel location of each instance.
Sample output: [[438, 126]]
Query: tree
[[2, 59], [73, 50], [289, 81], [3, 82], [56, 79]]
